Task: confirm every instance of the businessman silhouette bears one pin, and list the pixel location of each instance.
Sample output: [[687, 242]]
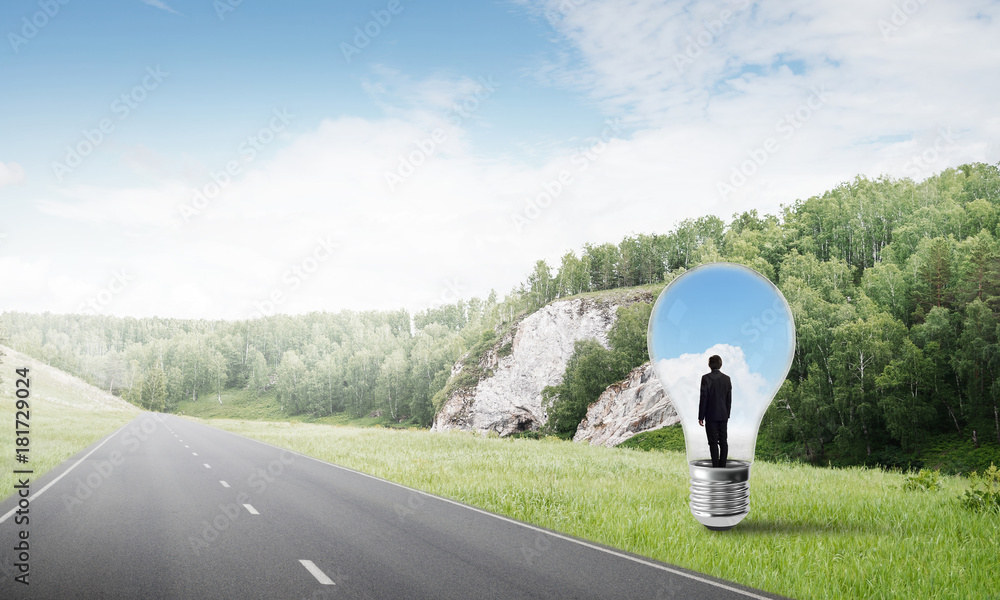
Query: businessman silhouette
[[715, 406]]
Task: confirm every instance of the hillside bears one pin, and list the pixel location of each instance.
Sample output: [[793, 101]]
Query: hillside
[[66, 415], [504, 393], [52, 388]]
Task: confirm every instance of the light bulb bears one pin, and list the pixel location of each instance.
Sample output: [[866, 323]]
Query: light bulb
[[734, 312]]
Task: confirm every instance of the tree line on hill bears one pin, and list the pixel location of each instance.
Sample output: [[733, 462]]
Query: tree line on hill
[[895, 290], [894, 284]]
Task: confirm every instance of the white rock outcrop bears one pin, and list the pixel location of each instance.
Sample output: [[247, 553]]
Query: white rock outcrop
[[637, 403], [509, 399]]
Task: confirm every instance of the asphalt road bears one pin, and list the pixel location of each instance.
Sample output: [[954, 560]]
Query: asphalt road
[[168, 508]]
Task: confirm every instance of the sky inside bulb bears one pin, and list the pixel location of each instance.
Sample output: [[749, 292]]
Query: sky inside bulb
[[735, 312]]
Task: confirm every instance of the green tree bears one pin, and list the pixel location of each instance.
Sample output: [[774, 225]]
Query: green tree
[[291, 382], [155, 390], [933, 275], [259, 376], [862, 349], [573, 276], [590, 370], [394, 384], [980, 269], [937, 336], [604, 261], [886, 285], [975, 361], [627, 336], [907, 401], [541, 286], [218, 372]]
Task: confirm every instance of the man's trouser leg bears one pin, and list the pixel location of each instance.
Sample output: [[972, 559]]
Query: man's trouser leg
[[722, 436], [712, 430]]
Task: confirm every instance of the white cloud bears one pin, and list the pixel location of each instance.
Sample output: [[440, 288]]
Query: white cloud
[[729, 77], [133, 208], [32, 282], [451, 223], [11, 173], [681, 377], [447, 225]]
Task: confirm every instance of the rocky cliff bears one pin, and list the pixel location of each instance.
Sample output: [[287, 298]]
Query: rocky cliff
[[530, 356], [637, 403]]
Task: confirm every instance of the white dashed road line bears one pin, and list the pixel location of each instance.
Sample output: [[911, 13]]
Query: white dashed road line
[[224, 484], [251, 509], [316, 572], [208, 466], [195, 453]]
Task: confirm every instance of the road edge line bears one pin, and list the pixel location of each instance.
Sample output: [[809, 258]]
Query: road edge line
[[66, 472]]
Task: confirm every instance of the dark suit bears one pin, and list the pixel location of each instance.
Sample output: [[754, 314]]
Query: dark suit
[[714, 408]]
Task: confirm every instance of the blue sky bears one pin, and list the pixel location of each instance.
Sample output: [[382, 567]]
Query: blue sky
[[584, 120], [225, 74], [724, 304]]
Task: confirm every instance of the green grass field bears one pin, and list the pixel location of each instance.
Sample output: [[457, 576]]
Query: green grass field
[[66, 416], [812, 533]]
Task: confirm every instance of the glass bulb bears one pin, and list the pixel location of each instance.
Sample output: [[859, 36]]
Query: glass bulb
[[732, 311]]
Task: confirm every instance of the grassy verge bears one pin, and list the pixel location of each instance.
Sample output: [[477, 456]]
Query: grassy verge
[[66, 416], [811, 534], [236, 404], [241, 404]]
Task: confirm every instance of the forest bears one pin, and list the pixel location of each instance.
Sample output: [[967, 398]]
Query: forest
[[894, 284]]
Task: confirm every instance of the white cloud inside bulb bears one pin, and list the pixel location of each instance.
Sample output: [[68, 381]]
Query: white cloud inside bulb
[[681, 378]]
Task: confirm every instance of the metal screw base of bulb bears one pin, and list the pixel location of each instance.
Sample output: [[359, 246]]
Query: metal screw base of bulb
[[720, 496]]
